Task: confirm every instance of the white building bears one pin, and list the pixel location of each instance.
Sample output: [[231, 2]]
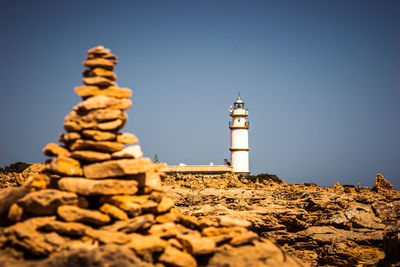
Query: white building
[[239, 137]]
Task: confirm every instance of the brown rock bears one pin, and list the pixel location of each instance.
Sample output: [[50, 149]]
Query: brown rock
[[53, 150], [172, 216], [129, 152], [99, 135], [99, 63], [107, 237], [189, 221], [111, 125], [75, 214], [112, 91], [89, 187], [65, 228], [39, 181], [127, 138], [68, 137], [228, 221], [46, 202], [382, 185], [196, 245], [122, 167], [150, 180], [142, 244], [175, 257], [24, 234], [98, 50], [65, 166], [135, 224], [9, 196], [91, 156], [165, 230], [165, 205], [337, 188], [99, 72], [125, 203], [99, 81], [113, 212], [102, 146], [15, 213], [350, 190], [77, 121], [101, 101]]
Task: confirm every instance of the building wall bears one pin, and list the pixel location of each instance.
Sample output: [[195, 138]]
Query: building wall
[[239, 138], [240, 161]]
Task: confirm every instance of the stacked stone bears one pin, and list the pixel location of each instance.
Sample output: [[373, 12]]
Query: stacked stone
[[105, 193]]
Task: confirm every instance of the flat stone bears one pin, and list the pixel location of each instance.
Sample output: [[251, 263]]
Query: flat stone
[[102, 146], [135, 224], [39, 181], [130, 204], [99, 81], [46, 202], [99, 135], [99, 63], [90, 156], [112, 91], [101, 101], [165, 230], [149, 180], [89, 187], [175, 257], [114, 212], [165, 205], [65, 166], [75, 214], [65, 228], [196, 245], [99, 72], [142, 244], [111, 125], [121, 167], [127, 138], [172, 216], [68, 137], [107, 237], [99, 50], [129, 152], [53, 150], [77, 121], [189, 221], [228, 221]]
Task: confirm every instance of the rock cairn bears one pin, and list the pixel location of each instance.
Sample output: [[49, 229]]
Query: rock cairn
[[106, 201]]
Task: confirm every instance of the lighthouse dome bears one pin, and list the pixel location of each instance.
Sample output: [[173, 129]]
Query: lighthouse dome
[[239, 100]]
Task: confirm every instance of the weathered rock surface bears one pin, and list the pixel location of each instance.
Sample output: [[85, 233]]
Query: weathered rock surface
[[322, 226]]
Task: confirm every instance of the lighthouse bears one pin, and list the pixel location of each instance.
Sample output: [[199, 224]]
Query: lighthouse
[[239, 127]]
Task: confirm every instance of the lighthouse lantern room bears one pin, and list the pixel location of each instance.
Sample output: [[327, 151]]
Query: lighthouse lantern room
[[239, 127]]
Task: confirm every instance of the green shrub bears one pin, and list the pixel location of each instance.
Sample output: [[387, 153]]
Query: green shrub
[[16, 167], [263, 177]]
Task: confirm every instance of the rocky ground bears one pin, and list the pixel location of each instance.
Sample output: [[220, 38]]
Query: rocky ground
[[321, 225]]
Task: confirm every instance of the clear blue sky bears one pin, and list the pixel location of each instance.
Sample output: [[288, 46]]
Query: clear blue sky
[[320, 79]]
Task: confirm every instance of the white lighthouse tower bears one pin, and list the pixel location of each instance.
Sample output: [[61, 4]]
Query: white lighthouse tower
[[239, 137]]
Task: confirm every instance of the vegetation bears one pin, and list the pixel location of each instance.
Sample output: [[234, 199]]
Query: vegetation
[[156, 160], [16, 167], [262, 177]]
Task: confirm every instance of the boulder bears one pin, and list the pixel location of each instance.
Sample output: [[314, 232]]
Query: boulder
[[197, 245], [46, 202], [89, 187], [114, 212], [136, 224], [65, 166], [75, 214], [144, 244]]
